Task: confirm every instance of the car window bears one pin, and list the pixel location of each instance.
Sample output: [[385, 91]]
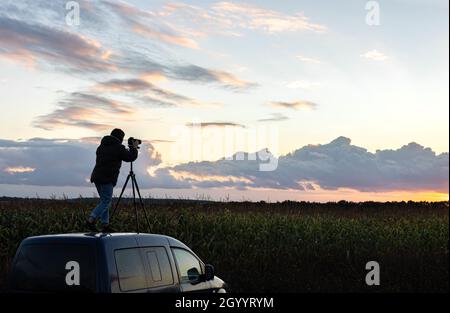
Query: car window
[[158, 266], [130, 269], [55, 266], [189, 267]]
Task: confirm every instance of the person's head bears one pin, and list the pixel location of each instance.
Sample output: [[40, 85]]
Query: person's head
[[118, 133]]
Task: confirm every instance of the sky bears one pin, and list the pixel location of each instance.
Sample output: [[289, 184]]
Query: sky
[[246, 100]]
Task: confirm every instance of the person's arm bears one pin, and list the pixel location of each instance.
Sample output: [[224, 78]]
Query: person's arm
[[128, 155]]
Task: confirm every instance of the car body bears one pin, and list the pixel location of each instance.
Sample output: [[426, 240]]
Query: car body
[[110, 263]]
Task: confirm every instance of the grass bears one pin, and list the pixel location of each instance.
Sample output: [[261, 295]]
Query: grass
[[281, 247]]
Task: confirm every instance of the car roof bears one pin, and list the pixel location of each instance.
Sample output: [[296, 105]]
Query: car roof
[[142, 238]]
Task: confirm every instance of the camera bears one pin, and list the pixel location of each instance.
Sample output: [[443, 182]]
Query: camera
[[134, 142]]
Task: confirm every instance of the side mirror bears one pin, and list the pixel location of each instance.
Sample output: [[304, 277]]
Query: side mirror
[[209, 272], [193, 275]]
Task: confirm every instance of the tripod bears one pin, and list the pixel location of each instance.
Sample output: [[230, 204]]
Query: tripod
[[135, 189]]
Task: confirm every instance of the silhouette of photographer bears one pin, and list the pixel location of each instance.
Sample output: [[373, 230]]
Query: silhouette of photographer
[[110, 155]]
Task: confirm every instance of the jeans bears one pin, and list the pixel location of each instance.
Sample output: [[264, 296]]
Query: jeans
[[105, 191]]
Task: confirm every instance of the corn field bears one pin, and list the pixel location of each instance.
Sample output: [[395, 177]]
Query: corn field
[[279, 247]]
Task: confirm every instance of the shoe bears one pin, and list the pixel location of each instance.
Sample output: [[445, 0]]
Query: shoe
[[107, 229], [91, 226]]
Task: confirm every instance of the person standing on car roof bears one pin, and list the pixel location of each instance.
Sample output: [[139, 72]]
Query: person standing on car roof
[[110, 155]]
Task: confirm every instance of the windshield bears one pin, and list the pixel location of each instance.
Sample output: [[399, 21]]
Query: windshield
[[54, 267]]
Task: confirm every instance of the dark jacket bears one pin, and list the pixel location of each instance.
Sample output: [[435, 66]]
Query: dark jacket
[[110, 155]]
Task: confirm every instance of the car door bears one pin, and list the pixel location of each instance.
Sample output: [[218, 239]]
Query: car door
[[190, 271], [159, 272], [131, 276], [54, 266], [145, 269]]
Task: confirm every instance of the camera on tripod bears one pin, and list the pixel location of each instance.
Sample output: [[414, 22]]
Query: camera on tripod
[[134, 142]]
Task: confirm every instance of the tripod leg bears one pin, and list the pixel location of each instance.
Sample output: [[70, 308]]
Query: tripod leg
[[120, 197], [142, 204], [133, 182]]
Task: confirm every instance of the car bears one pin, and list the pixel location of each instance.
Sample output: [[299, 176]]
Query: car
[[110, 263]]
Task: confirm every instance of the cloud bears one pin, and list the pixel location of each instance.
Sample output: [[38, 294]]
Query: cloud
[[53, 161], [254, 17], [308, 59], [116, 85], [18, 169], [300, 104], [161, 141], [302, 84], [32, 43], [229, 18], [215, 124], [146, 23], [332, 166], [374, 55], [86, 109], [170, 38], [147, 93], [338, 164], [276, 117], [130, 85], [97, 47], [63, 162], [201, 74], [83, 110], [150, 101], [139, 63]]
